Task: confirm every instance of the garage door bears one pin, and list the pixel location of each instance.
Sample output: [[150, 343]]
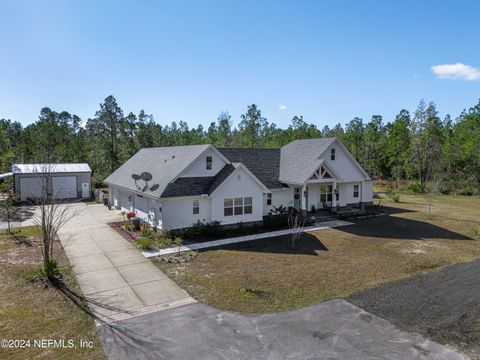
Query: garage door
[[141, 206], [31, 188], [64, 187]]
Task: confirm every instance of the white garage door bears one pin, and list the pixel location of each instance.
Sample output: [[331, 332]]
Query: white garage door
[[141, 206], [64, 187], [31, 188]]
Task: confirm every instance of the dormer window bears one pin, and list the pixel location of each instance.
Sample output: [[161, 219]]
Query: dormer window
[[209, 162], [332, 154]]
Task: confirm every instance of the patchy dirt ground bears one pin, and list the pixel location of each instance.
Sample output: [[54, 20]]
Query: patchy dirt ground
[[443, 305], [31, 311]]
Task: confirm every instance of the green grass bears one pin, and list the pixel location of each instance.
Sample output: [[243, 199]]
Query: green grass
[[31, 311], [267, 275]]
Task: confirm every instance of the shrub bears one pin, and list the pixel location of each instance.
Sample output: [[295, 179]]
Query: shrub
[[476, 234], [164, 242], [417, 188], [199, 229], [281, 210], [146, 243], [396, 198]]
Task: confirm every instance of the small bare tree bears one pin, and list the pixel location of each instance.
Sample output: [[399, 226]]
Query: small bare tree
[[8, 199], [51, 216], [296, 222]]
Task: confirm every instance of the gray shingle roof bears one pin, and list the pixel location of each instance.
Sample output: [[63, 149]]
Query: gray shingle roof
[[300, 158], [164, 163], [263, 163], [190, 186]]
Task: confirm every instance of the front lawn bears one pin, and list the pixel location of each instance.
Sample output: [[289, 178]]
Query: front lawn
[[30, 311], [268, 275]]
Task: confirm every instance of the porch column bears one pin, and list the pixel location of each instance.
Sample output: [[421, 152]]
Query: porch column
[[303, 198], [334, 193]]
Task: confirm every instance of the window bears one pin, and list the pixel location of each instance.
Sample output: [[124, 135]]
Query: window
[[269, 199], [228, 207], [326, 193], [247, 205], [332, 154], [209, 162], [196, 207], [237, 206], [355, 191]]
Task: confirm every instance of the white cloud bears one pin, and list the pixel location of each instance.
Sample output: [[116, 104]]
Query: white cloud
[[282, 107], [456, 71]]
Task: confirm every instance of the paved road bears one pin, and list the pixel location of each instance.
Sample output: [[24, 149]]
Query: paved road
[[110, 270], [331, 330]]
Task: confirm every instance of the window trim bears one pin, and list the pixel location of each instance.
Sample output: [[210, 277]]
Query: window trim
[[237, 206], [332, 154], [209, 162], [356, 191], [196, 207], [269, 198]]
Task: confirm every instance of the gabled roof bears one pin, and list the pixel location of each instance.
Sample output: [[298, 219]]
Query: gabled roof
[[300, 158], [201, 185], [263, 163], [164, 163], [50, 168]]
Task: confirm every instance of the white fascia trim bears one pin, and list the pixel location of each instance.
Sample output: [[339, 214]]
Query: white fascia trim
[[241, 166], [210, 147], [353, 159], [183, 197], [132, 191]]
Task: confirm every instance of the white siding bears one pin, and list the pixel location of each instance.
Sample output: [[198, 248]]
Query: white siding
[[367, 193], [178, 213], [238, 184], [279, 197], [199, 166], [346, 193], [343, 164], [313, 196]]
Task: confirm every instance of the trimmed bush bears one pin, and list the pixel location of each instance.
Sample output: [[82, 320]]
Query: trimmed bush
[[146, 243]]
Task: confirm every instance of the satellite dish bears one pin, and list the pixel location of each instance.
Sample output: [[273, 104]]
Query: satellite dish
[[146, 176], [136, 177], [154, 187]]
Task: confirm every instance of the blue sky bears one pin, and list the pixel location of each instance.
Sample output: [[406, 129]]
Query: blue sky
[[189, 60]]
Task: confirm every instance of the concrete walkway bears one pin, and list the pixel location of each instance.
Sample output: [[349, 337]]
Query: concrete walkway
[[238, 239], [331, 330], [111, 271]]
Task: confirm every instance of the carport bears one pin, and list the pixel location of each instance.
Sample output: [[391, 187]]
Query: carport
[[61, 181]]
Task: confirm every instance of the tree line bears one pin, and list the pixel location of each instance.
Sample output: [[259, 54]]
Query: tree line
[[419, 146]]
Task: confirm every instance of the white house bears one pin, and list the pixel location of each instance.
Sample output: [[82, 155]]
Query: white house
[[175, 187]]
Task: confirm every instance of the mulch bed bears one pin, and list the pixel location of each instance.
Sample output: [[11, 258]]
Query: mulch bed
[[127, 234]]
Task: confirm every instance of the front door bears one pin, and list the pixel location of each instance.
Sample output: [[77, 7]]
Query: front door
[[296, 198], [85, 190], [326, 192]]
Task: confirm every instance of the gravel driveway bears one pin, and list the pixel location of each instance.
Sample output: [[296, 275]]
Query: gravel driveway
[[443, 305]]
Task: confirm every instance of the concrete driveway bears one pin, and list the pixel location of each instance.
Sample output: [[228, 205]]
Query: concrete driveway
[[23, 217], [111, 271], [331, 330]]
